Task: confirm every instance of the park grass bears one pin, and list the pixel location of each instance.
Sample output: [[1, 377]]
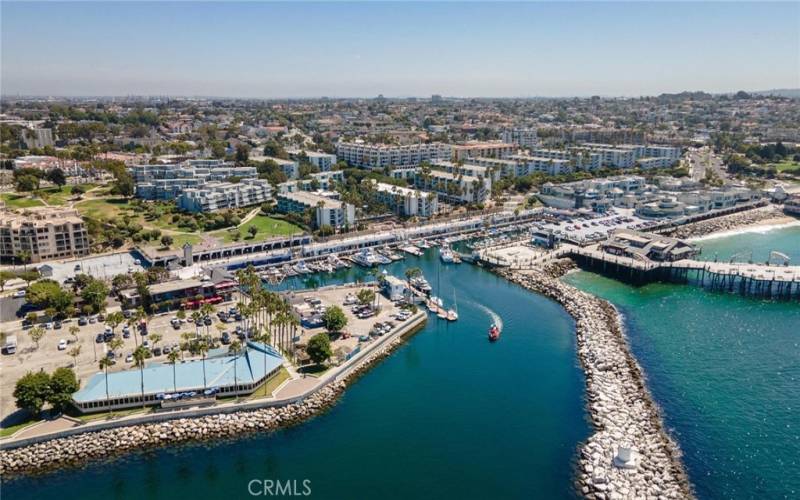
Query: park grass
[[103, 208], [786, 165], [181, 239], [60, 195], [14, 200], [7, 431], [268, 227], [266, 389]]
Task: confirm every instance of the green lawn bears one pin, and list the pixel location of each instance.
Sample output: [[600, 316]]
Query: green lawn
[[115, 414], [105, 208], [59, 196], [268, 227], [14, 200], [266, 389], [786, 165], [7, 431]]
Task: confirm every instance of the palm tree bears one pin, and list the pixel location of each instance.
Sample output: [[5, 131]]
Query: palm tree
[[172, 357], [73, 330], [235, 348], [139, 355], [197, 318], [207, 310], [202, 346], [114, 319], [104, 364], [75, 352]]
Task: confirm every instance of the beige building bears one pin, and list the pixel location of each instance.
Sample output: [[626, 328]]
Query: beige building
[[45, 233]]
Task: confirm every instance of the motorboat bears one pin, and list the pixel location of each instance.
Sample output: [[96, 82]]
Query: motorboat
[[494, 332], [446, 254]]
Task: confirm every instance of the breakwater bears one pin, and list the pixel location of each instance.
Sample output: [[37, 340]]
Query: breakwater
[[630, 455], [105, 444]]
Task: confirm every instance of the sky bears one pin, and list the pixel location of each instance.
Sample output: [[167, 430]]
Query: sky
[[475, 49]]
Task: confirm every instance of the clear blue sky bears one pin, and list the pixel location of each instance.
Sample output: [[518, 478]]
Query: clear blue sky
[[397, 49]]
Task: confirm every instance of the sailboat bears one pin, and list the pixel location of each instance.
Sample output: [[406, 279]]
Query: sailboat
[[452, 314]]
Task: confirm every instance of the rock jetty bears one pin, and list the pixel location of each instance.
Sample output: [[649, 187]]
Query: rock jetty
[[727, 222], [105, 444], [630, 455]]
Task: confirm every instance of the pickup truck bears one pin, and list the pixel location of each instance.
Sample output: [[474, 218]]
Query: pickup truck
[[10, 347]]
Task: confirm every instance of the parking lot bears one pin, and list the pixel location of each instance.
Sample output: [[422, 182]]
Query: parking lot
[[588, 228], [359, 330], [49, 357]]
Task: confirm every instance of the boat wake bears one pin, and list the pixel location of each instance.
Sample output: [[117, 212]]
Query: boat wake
[[496, 319]]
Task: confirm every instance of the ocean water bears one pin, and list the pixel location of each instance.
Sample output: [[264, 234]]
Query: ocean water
[[448, 415], [725, 370]]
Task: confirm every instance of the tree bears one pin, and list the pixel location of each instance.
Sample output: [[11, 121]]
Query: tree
[[32, 391], [74, 353], [252, 230], [326, 230], [139, 355], [74, 330], [63, 384], [36, 333], [334, 319], [5, 276], [242, 153], [77, 190], [172, 358], [95, 294], [56, 176], [235, 348], [104, 364], [114, 319], [27, 183], [319, 348], [413, 272], [366, 296], [166, 241], [49, 294]]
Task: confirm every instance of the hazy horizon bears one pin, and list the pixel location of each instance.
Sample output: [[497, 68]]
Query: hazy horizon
[[358, 50]]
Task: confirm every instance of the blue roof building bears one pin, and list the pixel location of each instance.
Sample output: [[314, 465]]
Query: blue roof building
[[220, 373]]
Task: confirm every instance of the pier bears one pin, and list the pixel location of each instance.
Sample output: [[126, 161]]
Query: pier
[[761, 280]]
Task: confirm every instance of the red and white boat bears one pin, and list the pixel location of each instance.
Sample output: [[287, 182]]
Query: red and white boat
[[494, 332]]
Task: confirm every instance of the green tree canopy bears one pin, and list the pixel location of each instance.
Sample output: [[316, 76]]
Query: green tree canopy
[[319, 348], [32, 391], [334, 319], [95, 294], [63, 384]]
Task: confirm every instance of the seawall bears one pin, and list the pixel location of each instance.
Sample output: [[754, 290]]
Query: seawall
[[82, 447], [622, 410]]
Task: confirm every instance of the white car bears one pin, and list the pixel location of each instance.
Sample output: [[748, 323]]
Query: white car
[[62, 344], [19, 294]]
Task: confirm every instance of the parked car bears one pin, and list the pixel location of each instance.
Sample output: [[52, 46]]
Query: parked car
[[146, 344], [167, 349], [48, 325], [207, 321], [19, 294], [83, 321], [99, 338], [57, 325], [129, 358], [92, 319], [225, 338], [62, 344], [156, 351]]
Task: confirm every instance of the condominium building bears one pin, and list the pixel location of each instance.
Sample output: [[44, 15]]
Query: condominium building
[[325, 181], [528, 165], [167, 182], [490, 149], [524, 137], [219, 195], [406, 202], [327, 211], [42, 233], [627, 155], [378, 156], [323, 161], [580, 159], [467, 168], [454, 187], [291, 168]]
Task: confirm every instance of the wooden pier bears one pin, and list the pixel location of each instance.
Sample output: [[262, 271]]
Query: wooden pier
[[779, 282]]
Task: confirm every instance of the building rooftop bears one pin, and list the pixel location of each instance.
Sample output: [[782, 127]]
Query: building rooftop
[[251, 365]]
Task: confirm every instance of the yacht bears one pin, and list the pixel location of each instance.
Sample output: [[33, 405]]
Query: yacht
[[366, 258], [446, 254]]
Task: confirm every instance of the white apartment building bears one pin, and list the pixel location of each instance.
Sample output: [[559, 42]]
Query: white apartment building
[[406, 202], [325, 181], [327, 211], [626, 155], [167, 182], [490, 149], [220, 195], [581, 160], [531, 164], [378, 156], [323, 161], [454, 187], [43, 233], [290, 168], [467, 168], [524, 137]]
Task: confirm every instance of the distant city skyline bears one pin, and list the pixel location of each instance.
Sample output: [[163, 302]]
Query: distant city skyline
[[306, 50]]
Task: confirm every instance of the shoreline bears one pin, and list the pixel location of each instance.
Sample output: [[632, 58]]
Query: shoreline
[[761, 227], [755, 220], [109, 444], [622, 410]]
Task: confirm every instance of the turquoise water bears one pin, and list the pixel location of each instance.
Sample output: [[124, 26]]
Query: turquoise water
[[447, 415], [725, 369]]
